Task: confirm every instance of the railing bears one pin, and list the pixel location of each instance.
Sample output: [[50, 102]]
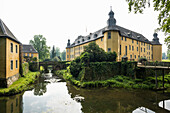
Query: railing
[[163, 64]]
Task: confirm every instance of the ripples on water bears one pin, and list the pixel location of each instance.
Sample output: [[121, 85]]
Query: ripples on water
[[53, 95]]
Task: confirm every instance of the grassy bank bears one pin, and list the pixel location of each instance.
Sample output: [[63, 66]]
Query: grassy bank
[[118, 81], [20, 85]]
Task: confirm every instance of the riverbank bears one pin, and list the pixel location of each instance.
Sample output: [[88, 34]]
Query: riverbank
[[118, 81], [22, 84]]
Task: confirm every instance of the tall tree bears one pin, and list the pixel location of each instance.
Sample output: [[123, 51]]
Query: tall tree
[[63, 55], [39, 43], [57, 51], [168, 54], [163, 6], [53, 52]]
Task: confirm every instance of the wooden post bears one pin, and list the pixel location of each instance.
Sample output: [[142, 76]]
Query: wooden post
[[163, 77], [156, 82]]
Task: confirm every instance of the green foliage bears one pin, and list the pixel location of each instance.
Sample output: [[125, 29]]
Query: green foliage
[[57, 51], [168, 54], [34, 66], [25, 67], [111, 56], [39, 43], [53, 53], [162, 6], [63, 55], [22, 84], [75, 68], [118, 81]]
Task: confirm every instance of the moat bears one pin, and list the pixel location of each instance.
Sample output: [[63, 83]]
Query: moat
[[53, 95]]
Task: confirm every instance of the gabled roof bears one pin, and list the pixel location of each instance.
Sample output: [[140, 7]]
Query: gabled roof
[[5, 32], [28, 49]]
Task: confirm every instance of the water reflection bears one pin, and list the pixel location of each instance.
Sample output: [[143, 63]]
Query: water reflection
[[12, 104], [106, 100], [53, 95], [165, 104], [143, 110]]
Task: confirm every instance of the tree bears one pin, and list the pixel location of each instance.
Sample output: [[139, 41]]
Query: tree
[[57, 51], [163, 6], [39, 43], [63, 55], [168, 54], [163, 55], [53, 53]]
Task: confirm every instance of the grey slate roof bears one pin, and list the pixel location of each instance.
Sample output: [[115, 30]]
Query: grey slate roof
[[5, 32], [28, 49], [98, 34]]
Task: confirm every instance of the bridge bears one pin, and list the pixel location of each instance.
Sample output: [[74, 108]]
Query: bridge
[[156, 66], [55, 65]]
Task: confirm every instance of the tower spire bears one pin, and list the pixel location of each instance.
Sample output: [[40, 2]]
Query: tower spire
[[111, 21]]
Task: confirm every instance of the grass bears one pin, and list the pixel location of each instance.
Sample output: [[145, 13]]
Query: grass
[[20, 85], [118, 81], [166, 60]]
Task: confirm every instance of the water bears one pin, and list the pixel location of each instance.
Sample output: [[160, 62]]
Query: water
[[53, 95]]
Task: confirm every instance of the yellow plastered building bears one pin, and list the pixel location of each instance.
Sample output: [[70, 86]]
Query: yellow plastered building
[[9, 56], [124, 42], [28, 51]]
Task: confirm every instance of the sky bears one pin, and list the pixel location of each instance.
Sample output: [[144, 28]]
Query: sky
[[60, 20]]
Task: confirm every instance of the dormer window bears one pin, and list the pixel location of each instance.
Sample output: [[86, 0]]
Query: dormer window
[[95, 35], [82, 40], [88, 38], [78, 42]]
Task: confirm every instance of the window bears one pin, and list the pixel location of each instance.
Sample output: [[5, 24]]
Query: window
[[16, 49], [67, 50], [12, 47], [109, 35], [12, 108], [126, 50], [149, 53], [144, 49], [16, 63], [144, 43], [11, 64], [137, 48], [31, 55], [138, 56], [125, 38], [16, 102], [67, 56], [109, 49], [27, 54], [131, 56], [149, 47], [24, 54], [135, 56], [137, 42], [141, 49], [132, 41], [82, 40], [141, 43], [122, 37], [88, 38], [132, 48], [120, 49], [101, 39], [129, 47]]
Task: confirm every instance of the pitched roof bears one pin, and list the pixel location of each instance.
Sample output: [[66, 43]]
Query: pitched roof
[[98, 34], [5, 32], [28, 49]]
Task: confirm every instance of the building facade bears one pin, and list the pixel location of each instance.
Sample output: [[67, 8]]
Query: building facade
[[9, 56], [28, 52], [121, 40]]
